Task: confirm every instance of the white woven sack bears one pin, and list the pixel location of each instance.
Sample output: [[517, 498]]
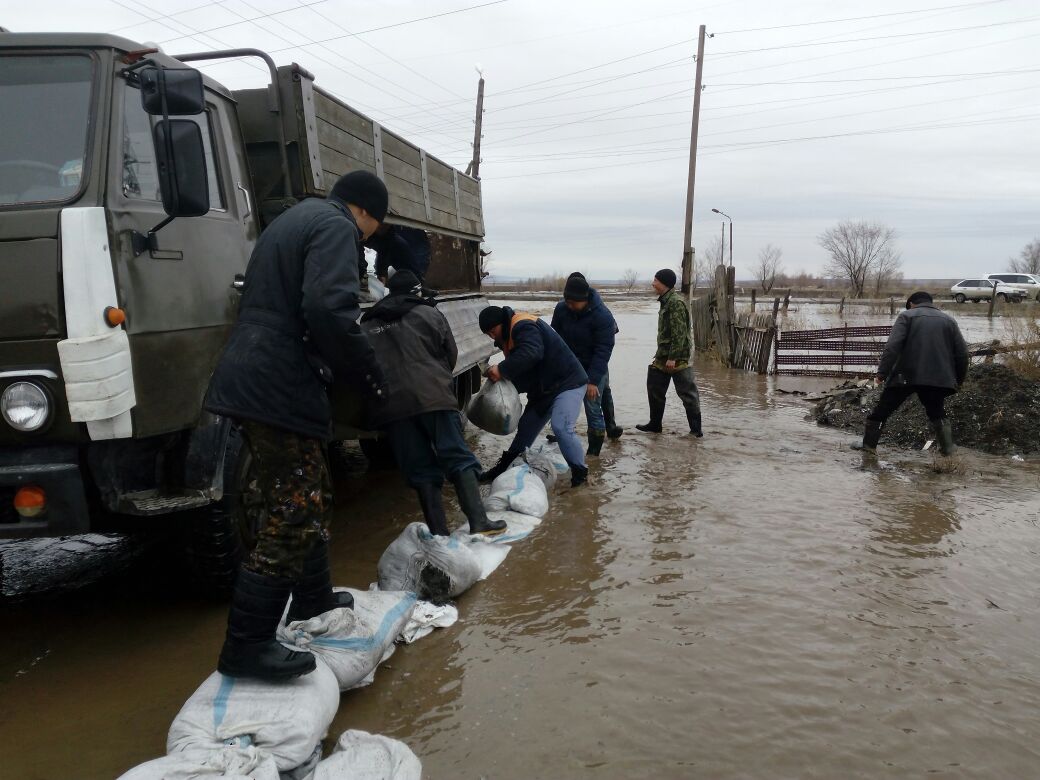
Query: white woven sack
[[435, 568], [519, 489], [359, 755], [224, 762]]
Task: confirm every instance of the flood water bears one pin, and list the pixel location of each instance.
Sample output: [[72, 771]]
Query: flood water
[[754, 604]]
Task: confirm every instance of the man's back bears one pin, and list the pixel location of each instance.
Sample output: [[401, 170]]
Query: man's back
[[926, 348]]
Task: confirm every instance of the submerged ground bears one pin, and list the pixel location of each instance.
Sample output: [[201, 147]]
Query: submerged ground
[[759, 603]]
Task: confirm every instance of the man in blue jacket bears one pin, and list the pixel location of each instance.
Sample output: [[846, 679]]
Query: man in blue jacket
[[540, 364], [586, 325]]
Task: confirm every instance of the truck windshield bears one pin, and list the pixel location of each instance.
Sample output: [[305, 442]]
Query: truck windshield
[[45, 105]]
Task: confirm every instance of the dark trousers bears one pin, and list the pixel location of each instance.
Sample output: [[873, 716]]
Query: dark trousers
[[293, 480], [607, 404], [893, 396], [430, 446], [657, 382]]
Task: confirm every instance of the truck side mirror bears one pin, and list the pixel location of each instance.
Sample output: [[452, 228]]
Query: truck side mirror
[[181, 88], [181, 158]]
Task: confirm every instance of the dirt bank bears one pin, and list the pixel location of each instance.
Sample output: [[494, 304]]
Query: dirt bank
[[996, 411]]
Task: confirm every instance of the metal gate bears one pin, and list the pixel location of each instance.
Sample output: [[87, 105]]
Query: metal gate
[[838, 352]]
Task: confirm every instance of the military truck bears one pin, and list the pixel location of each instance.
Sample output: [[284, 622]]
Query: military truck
[[132, 191]]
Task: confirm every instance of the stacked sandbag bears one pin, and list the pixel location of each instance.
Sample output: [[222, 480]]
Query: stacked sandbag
[[233, 763], [283, 720], [435, 568], [426, 616], [519, 489], [353, 642], [544, 467], [518, 526], [550, 451], [496, 408], [359, 755]]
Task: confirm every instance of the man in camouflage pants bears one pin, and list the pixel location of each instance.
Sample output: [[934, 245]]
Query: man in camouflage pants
[[672, 359]]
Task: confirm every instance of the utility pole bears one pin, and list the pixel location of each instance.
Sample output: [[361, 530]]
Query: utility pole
[[687, 261], [474, 166], [722, 252], [731, 243]]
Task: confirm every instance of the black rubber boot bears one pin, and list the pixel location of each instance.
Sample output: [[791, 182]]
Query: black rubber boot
[[472, 507], [944, 436], [312, 595], [499, 468], [614, 432], [250, 649], [595, 443], [695, 425], [871, 437], [650, 427], [551, 438], [579, 474], [433, 509], [607, 404]]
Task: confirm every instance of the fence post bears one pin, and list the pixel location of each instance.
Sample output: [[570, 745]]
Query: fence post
[[891, 305], [754, 290], [787, 301], [841, 307]]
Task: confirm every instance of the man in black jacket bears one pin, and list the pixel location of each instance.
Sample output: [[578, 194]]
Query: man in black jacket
[[926, 355], [296, 333], [540, 364], [421, 418]]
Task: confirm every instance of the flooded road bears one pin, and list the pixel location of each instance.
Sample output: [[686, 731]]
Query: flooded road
[[753, 604]]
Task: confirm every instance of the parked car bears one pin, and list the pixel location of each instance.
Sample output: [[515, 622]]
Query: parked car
[[976, 290], [1027, 283]]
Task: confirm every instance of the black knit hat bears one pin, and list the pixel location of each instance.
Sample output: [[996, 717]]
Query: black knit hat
[[403, 281], [576, 289], [364, 190], [666, 276], [490, 317], [918, 297]]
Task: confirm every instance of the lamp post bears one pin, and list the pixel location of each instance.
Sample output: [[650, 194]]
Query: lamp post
[[727, 216]]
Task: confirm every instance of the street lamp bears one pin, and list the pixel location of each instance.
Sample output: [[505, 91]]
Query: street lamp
[[727, 216]]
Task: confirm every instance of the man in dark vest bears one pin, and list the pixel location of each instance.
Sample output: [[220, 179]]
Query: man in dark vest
[[540, 364], [297, 333], [925, 355], [421, 419]]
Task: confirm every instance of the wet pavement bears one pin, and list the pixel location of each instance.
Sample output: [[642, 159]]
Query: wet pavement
[[758, 603]]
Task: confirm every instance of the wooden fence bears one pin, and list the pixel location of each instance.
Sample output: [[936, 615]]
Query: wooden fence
[[745, 342], [838, 352]]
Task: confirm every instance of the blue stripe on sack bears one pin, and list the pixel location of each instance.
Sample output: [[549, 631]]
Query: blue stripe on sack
[[368, 643], [510, 537], [220, 701], [520, 474]]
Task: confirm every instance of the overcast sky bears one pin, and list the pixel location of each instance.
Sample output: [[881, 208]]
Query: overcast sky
[[920, 115]]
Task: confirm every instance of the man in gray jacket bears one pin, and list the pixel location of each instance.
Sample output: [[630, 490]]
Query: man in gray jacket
[[925, 355], [421, 417]]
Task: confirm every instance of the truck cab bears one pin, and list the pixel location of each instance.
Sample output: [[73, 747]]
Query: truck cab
[[114, 309]]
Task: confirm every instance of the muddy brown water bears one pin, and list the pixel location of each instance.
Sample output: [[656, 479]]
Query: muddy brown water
[[759, 603]]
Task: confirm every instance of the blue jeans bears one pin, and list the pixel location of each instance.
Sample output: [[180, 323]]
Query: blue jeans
[[563, 414], [594, 408], [430, 446]]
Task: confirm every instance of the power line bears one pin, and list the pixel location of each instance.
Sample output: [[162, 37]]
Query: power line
[[199, 8]]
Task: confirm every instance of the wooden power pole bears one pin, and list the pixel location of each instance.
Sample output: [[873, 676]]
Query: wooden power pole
[[473, 169], [687, 261]]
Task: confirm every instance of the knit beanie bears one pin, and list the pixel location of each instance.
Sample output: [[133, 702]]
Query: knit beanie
[[918, 297], [364, 190], [576, 289], [490, 317], [666, 276], [403, 281]]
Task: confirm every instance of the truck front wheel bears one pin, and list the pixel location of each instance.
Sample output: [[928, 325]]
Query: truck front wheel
[[221, 535]]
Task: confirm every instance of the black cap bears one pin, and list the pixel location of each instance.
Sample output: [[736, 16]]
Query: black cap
[[666, 276], [918, 297], [576, 289], [490, 317], [364, 190], [403, 281]]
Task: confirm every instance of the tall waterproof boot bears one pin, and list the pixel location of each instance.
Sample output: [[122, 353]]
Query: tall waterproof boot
[[432, 508], [944, 435], [579, 474], [250, 649], [312, 595], [468, 491], [607, 404], [656, 386], [695, 425], [595, 442], [499, 468], [871, 437]]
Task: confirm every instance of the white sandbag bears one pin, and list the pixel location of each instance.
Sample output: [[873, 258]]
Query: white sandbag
[[519, 489], [552, 451], [483, 547], [353, 642], [496, 407], [359, 755], [425, 618], [435, 568], [231, 763], [544, 468], [519, 526], [285, 720]]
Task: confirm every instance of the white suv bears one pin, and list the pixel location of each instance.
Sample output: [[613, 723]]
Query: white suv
[[1024, 282]]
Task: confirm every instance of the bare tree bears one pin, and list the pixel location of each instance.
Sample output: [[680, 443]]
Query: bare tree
[[769, 267], [886, 271], [857, 250], [1028, 261], [629, 279]]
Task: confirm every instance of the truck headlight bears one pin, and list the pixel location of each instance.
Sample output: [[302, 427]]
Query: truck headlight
[[25, 406]]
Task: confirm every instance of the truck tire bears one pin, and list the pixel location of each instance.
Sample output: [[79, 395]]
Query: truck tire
[[221, 535]]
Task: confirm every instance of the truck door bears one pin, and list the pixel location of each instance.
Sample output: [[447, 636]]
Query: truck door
[[179, 299]]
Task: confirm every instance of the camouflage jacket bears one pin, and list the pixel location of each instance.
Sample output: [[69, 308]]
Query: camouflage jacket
[[673, 331]]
